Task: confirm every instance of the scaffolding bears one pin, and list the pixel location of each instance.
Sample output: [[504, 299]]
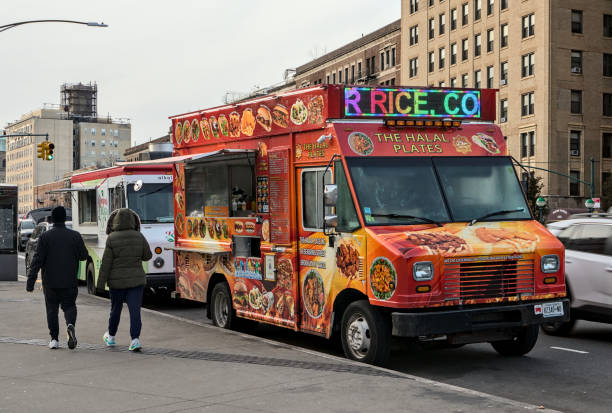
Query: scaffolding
[[80, 101]]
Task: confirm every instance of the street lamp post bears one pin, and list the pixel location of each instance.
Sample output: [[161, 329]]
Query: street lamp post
[[12, 25]]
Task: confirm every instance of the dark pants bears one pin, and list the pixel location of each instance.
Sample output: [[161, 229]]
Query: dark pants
[[133, 297], [54, 297]]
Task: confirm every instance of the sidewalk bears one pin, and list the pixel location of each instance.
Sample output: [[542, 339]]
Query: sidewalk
[[187, 367]]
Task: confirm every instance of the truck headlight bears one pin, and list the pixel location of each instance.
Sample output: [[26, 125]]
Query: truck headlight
[[422, 271], [549, 263]]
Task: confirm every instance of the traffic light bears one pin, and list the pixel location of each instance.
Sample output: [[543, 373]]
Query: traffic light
[[41, 150], [50, 147]]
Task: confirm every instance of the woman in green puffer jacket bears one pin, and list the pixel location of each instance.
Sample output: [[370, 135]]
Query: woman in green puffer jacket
[[121, 268]]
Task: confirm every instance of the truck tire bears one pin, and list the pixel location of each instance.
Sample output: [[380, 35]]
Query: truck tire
[[559, 328], [365, 333], [90, 279], [221, 310], [521, 344]]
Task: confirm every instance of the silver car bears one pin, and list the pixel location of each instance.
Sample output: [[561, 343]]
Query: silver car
[[24, 232], [588, 268]]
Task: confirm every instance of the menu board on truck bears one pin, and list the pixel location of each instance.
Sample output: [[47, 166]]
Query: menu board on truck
[[279, 195]]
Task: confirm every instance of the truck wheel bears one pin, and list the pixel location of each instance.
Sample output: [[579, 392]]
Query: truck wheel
[[521, 344], [559, 328], [91, 286], [365, 333], [221, 310]]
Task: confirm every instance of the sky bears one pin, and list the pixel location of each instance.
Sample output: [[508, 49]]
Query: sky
[[160, 58]]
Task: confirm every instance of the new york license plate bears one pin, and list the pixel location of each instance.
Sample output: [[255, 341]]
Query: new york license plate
[[550, 309]]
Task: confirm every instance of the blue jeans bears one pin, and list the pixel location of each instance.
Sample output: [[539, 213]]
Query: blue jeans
[[133, 297]]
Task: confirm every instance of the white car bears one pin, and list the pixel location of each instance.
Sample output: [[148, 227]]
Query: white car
[[556, 227], [588, 270]]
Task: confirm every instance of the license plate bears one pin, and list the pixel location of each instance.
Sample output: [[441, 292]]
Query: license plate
[[552, 309]]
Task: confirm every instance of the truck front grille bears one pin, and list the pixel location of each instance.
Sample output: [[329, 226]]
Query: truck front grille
[[488, 279]]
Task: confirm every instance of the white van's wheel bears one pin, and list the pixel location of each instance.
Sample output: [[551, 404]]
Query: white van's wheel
[[90, 279], [365, 333], [521, 344], [222, 313]]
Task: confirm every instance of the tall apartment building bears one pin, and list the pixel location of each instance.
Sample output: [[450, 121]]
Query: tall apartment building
[[92, 142], [371, 59], [552, 63]]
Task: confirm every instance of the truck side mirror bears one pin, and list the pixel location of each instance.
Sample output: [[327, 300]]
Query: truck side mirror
[[331, 221], [330, 195]]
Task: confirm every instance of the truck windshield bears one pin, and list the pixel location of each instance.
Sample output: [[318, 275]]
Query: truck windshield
[[152, 203], [395, 191]]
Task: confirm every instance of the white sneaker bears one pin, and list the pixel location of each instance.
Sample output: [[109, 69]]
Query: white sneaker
[[53, 344], [109, 340], [135, 345]]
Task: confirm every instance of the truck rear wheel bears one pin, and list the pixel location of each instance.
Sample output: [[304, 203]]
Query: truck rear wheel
[[90, 278], [521, 344], [221, 310], [365, 333]]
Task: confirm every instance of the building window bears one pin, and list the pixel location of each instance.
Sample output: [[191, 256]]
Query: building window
[[574, 185], [414, 35], [93, 131], [327, 79], [490, 39], [358, 70], [93, 143], [464, 80], [441, 84], [607, 64], [607, 25], [528, 144], [576, 61], [528, 25], [504, 4], [503, 111], [453, 22], [528, 61], [576, 21], [441, 57], [575, 142], [607, 104], [432, 28], [414, 62], [503, 76], [382, 61], [524, 138], [103, 132], [103, 142], [346, 78], [431, 3], [464, 14], [606, 148], [117, 131], [477, 9], [340, 76], [477, 79], [576, 101], [393, 56], [504, 35], [442, 23], [464, 49], [477, 44], [453, 82], [431, 62], [527, 103], [490, 7], [392, 81], [490, 75], [414, 6], [532, 143], [453, 57]]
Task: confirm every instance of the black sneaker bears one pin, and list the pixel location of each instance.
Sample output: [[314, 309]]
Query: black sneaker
[[72, 341]]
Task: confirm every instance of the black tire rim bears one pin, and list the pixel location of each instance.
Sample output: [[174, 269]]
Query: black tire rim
[[221, 308]]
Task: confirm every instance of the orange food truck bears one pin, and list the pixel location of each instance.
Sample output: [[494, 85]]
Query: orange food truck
[[366, 212]]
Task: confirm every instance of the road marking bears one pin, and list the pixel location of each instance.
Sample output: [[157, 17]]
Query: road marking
[[570, 349]]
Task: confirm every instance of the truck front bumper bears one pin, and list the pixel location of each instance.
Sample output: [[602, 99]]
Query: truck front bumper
[[471, 320], [165, 280]]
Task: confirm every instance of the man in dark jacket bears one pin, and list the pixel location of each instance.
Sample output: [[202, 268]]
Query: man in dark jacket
[[58, 253], [121, 268]]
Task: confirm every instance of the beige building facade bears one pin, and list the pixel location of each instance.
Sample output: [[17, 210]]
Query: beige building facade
[[552, 63], [26, 170], [371, 59]]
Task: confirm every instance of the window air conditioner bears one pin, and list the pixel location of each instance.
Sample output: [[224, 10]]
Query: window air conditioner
[[502, 82], [576, 69], [575, 152]]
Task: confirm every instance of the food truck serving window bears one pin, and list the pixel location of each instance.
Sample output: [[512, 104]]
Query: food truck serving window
[[220, 188], [87, 207]]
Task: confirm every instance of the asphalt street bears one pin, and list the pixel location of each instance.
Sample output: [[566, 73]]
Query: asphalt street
[[570, 374]]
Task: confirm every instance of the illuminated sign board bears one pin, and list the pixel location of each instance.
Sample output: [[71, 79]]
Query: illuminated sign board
[[407, 102]]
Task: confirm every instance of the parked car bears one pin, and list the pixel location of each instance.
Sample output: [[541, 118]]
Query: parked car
[[40, 214], [556, 227], [32, 242], [24, 231], [588, 271]]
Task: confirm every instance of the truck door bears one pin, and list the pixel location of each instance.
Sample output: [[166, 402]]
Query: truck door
[[316, 260]]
